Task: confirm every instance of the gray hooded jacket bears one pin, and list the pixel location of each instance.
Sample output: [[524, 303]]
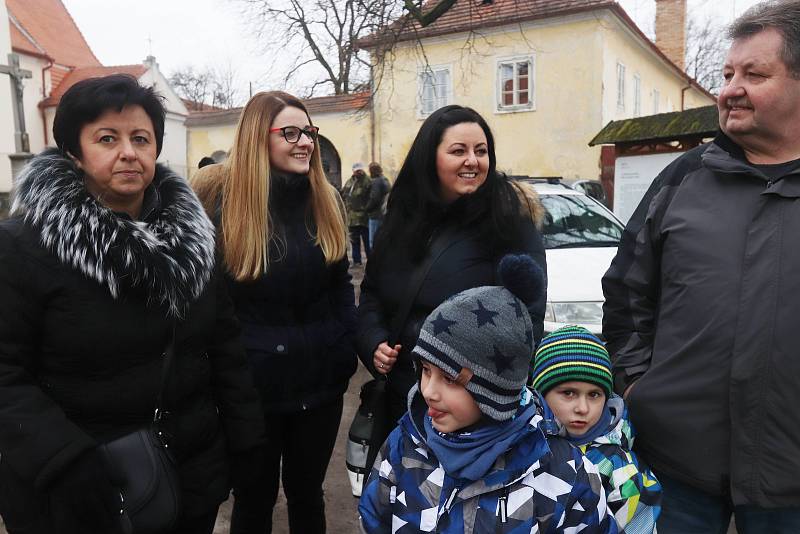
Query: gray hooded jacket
[[702, 311]]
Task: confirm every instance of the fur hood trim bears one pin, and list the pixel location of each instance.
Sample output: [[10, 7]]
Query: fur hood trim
[[171, 256], [531, 204]]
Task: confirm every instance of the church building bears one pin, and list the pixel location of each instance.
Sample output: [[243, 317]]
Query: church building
[[53, 55]]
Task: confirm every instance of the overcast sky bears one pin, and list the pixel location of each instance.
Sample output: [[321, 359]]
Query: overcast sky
[[214, 33]]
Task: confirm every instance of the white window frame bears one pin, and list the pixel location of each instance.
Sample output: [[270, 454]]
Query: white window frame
[[656, 100], [620, 86], [516, 106], [637, 95], [445, 99]]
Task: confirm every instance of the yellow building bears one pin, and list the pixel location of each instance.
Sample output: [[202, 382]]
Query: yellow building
[[345, 130], [546, 75]]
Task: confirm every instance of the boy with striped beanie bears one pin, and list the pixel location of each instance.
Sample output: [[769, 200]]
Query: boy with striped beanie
[[470, 454], [572, 373]]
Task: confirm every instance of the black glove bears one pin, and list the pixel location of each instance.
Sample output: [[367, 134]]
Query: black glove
[[247, 467], [83, 500]]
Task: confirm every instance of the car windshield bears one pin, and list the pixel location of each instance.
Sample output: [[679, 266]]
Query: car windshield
[[578, 221]]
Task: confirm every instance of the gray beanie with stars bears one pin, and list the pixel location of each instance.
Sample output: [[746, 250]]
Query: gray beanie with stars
[[483, 337]]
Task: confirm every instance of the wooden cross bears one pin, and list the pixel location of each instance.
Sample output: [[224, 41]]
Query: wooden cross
[[16, 75]]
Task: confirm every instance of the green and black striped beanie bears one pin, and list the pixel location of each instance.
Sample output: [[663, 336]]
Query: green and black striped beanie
[[569, 354]]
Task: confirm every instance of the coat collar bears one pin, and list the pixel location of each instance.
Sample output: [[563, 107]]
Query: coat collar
[[170, 255], [726, 157], [521, 460]]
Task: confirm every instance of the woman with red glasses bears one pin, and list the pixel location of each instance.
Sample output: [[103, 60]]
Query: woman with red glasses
[[281, 231]]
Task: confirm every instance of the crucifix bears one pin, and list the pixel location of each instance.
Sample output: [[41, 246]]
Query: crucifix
[[16, 75]]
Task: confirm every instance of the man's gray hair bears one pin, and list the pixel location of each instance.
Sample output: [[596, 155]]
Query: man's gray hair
[[782, 15]]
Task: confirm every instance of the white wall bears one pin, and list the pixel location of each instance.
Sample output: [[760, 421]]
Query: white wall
[[153, 77], [6, 111], [173, 153]]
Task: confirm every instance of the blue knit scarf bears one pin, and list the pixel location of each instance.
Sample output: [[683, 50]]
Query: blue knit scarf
[[470, 455], [600, 428]]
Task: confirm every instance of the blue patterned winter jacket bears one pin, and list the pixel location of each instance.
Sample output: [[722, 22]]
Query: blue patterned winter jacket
[[633, 492], [540, 485]]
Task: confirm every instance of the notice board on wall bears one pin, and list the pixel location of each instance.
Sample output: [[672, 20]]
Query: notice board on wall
[[633, 176]]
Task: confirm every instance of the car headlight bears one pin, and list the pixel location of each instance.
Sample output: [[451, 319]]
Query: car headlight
[[574, 312]]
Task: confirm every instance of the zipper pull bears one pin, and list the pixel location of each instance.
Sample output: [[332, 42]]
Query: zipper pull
[[503, 505], [450, 500]]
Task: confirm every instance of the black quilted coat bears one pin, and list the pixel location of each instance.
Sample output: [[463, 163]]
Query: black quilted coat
[[88, 299]]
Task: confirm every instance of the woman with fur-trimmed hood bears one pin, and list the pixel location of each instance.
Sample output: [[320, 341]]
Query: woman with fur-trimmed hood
[[449, 203], [109, 257]]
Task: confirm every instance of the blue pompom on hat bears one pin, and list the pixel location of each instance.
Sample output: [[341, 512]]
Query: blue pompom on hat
[[483, 337]]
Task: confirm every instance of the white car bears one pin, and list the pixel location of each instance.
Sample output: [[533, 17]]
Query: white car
[[581, 238]]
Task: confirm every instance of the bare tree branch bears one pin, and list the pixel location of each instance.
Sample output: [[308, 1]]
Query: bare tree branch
[[705, 53], [436, 11], [329, 31]]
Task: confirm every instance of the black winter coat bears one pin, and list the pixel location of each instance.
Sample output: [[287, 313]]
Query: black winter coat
[[88, 303], [701, 317], [299, 319], [465, 264]]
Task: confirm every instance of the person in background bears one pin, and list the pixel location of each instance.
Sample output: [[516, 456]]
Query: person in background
[[469, 455], [356, 193], [282, 233], [572, 372], [702, 300], [378, 193], [447, 193], [109, 257]]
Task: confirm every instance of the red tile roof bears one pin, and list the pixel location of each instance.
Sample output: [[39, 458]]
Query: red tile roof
[[56, 75], [84, 73], [467, 15], [320, 104], [328, 104], [54, 32], [24, 43], [197, 107]]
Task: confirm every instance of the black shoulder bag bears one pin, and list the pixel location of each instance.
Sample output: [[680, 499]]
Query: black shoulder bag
[[141, 465], [371, 426]]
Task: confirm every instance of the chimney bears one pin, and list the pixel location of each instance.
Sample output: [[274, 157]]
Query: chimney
[[671, 30]]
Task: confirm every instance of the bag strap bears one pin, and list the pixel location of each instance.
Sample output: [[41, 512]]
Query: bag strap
[[439, 243], [169, 356]]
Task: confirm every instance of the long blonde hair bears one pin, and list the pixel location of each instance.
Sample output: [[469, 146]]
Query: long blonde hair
[[244, 186]]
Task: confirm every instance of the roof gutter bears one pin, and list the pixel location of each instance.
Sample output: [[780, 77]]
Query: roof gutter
[[683, 96]]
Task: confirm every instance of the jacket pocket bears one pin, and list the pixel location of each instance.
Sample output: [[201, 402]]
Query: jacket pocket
[[274, 362]]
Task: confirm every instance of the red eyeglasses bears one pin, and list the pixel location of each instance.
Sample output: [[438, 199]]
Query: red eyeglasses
[[292, 133]]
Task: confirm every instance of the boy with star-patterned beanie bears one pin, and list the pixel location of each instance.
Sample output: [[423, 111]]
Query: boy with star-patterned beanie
[[469, 455], [572, 371]]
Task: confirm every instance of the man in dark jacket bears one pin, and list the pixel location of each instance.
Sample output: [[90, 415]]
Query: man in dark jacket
[[356, 196], [376, 206], [703, 297]]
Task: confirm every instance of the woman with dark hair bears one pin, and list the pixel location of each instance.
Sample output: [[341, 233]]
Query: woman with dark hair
[[283, 235], [448, 196], [107, 261]]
